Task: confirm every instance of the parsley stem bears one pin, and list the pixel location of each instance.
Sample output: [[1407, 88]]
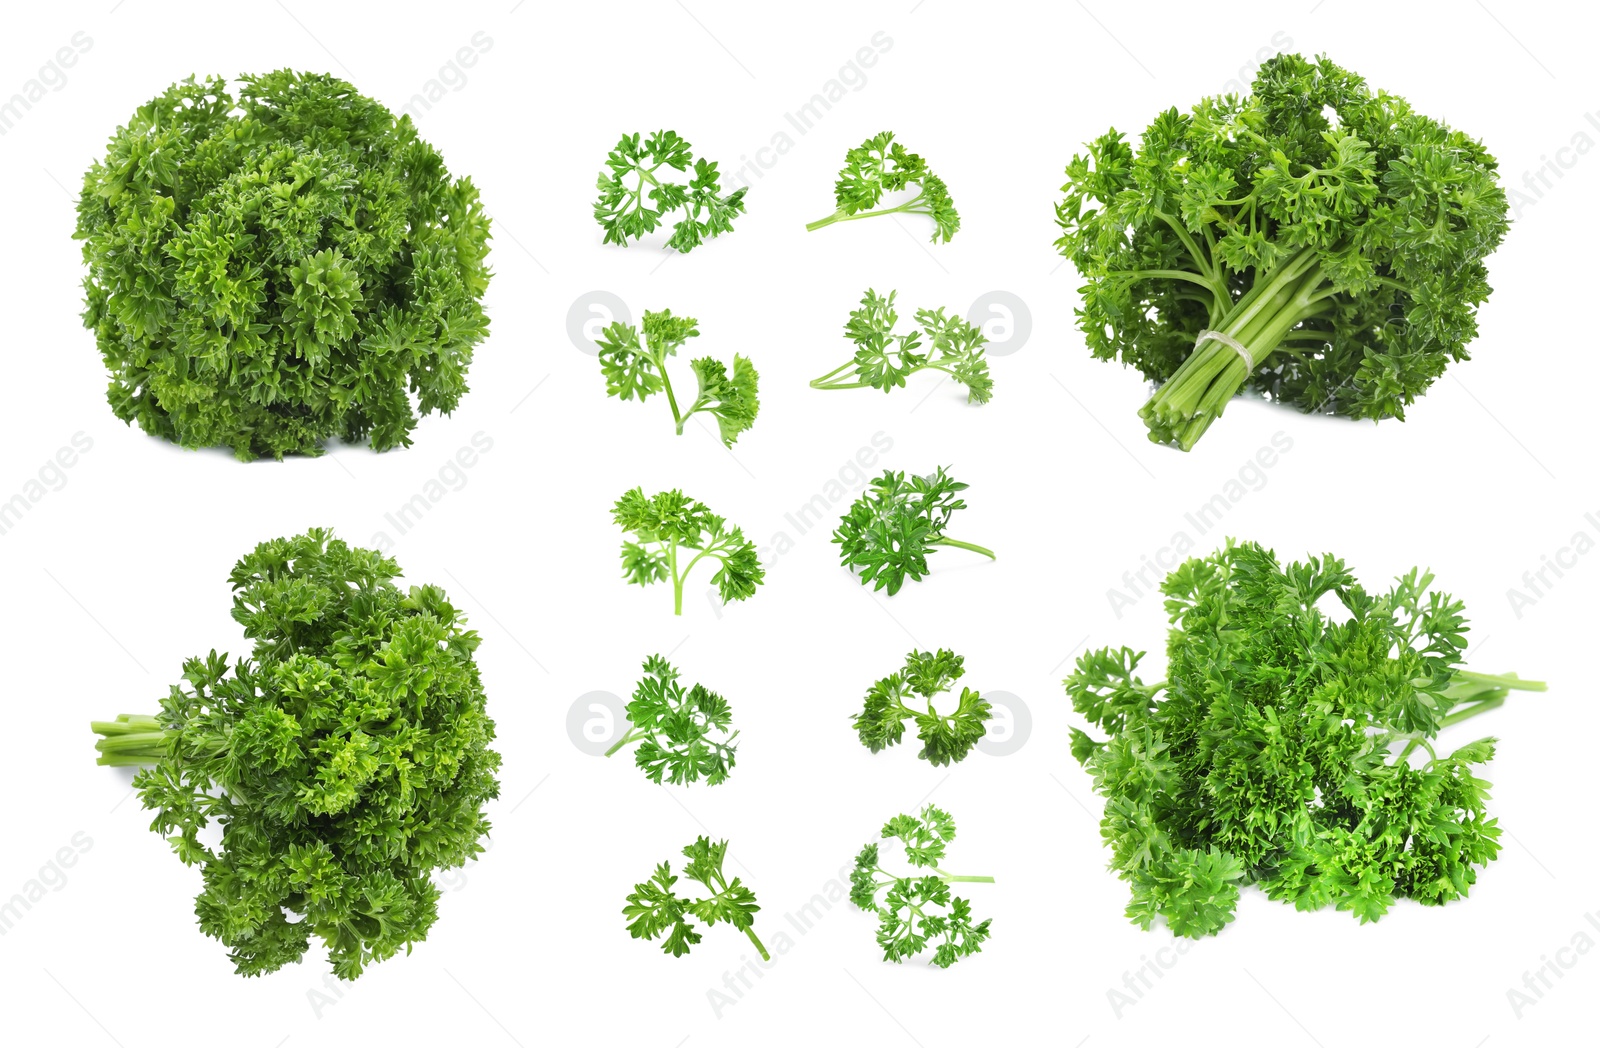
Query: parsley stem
[[132, 740], [632, 735], [951, 878], [765, 956], [1471, 710], [677, 579], [1505, 680], [964, 545], [843, 216]]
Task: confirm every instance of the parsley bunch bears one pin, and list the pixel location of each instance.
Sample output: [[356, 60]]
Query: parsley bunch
[[884, 360], [918, 909], [674, 727], [946, 737], [888, 533], [635, 198], [345, 762], [272, 270], [654, 908], [1315, 240], [1279, 748], [669, 527], [634, 361], [881, 165]]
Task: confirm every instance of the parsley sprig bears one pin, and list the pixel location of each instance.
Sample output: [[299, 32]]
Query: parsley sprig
[[654, 908], [635, 198], [634, 361], [881, 165], [672, 533], [884, 360], [1283, 747], [888, 533], [946, 737], [918, 908], [674, 728]]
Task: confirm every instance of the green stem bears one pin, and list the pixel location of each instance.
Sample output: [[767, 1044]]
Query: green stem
[[751, 931], [964, 545], [633, 735], [951, 878], [829, 381], [677, 580], [132, 740], [843, 216], [666, 384], [1471, 710], [1500, 680], [1198, 392]]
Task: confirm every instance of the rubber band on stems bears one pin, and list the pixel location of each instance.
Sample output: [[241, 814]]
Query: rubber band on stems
[[1232, 343]]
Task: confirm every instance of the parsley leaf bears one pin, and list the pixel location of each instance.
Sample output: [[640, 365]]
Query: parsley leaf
[[674, 728], [669, 528], [918, 909], [635, 198], [1279, 749], [1328, 229], [881, 165], [271, 271], [887, 534], [884, 360], [947, 737], [654, 907], [634, 362], [344, 762]]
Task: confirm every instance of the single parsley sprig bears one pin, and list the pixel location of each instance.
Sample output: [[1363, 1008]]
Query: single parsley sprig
[[946, 737], [884, 360], [672, 533], [634, 361], [674, 727], [918, 909], [653, 907], [1278, 750], [624, 211], [888, 533], [881, 165]]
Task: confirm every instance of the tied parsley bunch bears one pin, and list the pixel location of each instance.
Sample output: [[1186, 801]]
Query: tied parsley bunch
[[344, 763], [1290, 748], [275, 269], [1315, 241]]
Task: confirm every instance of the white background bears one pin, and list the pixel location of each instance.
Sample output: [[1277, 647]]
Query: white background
[[113, 579]]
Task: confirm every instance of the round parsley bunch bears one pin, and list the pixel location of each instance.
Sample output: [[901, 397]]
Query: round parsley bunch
[[344, 762], [271, 270]]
